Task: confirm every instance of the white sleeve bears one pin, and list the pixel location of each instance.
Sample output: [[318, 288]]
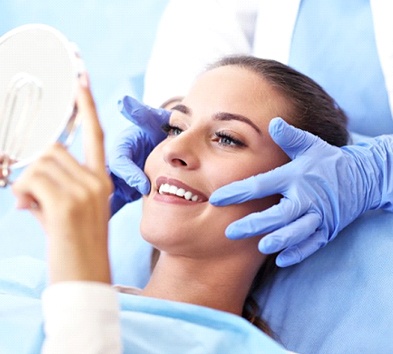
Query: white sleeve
[[81, 317], [192, 34]]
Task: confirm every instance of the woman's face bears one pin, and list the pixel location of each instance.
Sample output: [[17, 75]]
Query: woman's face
[[217, 135]]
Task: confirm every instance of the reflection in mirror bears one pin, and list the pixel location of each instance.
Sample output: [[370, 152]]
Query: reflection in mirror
[[4, 170], [21, 106], [39, 71]]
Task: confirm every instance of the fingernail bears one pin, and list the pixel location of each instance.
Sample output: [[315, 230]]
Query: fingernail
[[84, 80]]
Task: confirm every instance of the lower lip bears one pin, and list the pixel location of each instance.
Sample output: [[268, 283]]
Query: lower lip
[[171, 199]]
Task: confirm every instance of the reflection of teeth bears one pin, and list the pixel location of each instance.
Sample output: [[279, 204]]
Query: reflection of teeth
[[180, 192]]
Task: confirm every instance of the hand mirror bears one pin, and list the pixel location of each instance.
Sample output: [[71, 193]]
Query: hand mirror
[[39, 71]]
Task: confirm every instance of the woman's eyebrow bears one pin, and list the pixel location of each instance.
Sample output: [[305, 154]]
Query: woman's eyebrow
[[220, 116], [239, 117], [181, 108]]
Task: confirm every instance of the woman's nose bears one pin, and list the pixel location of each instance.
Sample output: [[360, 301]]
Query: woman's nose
[[180, 151]]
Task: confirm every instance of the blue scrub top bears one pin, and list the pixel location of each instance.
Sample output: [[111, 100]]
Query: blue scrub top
[[334, 43]]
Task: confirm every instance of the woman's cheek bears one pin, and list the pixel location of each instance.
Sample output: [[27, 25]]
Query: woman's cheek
[[258, 205], [149, 165]]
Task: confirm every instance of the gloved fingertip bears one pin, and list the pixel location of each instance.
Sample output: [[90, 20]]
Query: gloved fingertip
[[129, 106], [120, 103], [164, 113], [283, 133], [143, 188], [287, 258], [288, 137], [140, 182], [122, 108], [128, 101], [269, 245], [232, 233], [217, 199], [214, 200], [292, 140], [234, 193], [276, 126]]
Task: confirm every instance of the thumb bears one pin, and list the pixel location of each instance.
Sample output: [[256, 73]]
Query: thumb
[[144, 116], [292, 140], [124, 168]]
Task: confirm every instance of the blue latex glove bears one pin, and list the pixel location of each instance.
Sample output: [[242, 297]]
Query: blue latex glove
[[136, 142], [324, 188]]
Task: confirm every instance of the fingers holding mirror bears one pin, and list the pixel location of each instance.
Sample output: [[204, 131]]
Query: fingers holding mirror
[[58, 168], [71, 201], [43, 97]]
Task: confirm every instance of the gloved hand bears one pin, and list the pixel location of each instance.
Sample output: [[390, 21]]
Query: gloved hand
[[126, 162], [324, 188]]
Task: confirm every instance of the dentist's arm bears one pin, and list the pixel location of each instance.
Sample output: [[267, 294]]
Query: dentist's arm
[[324, 189]]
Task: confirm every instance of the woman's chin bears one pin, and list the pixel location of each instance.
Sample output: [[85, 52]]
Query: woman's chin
[[160, 234]]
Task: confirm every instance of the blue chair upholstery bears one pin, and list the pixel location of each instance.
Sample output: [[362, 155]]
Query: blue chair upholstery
[[340, 299]]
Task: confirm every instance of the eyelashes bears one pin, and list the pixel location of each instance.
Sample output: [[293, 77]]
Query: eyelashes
[[223, 138], [226, 139], [170, 130]]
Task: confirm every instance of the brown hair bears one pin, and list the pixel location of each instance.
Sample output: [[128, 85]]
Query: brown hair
[[311, 109]]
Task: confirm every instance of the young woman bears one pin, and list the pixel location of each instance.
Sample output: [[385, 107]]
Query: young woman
[[217, 134]]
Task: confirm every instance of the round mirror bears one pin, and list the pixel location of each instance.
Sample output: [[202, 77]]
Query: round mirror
[[39, 71]]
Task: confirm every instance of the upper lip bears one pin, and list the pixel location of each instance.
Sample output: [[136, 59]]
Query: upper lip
[[174, 182]]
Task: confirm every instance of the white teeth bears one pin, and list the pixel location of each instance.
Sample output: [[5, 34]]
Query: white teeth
[[180, 192], [164, 188], [172, 190]]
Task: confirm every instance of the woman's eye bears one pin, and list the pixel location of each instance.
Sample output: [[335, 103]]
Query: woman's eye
[[171, 130], [226, 139]]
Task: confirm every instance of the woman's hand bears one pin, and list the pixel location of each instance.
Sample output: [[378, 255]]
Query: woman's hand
[[70, 200]]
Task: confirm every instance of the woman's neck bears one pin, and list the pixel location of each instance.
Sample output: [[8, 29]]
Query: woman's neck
[[222, 284]]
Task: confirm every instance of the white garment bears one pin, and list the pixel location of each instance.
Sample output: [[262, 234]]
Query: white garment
[[84, 317], [81, 317], [201, 31]]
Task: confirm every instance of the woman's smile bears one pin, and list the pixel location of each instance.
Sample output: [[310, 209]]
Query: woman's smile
[[171, 190]]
